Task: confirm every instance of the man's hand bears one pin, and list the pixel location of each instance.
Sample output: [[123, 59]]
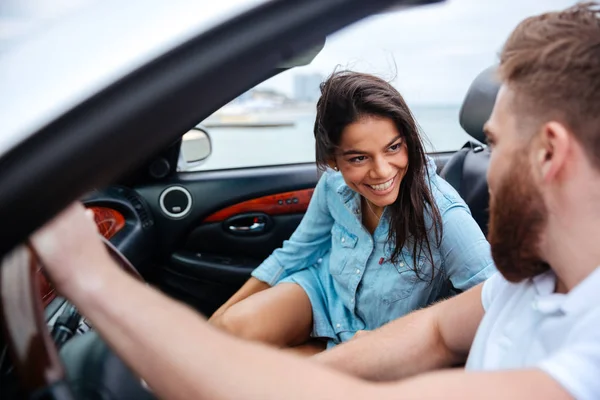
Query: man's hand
[[71, 251]]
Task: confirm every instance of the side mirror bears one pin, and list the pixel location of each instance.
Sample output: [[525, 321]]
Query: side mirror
[[195, 147]]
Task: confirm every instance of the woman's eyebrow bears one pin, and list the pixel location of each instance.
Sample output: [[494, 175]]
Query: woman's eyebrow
[[352, 152], [393, 141]]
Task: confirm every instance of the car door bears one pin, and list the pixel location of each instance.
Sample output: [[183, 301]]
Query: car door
[[239, 217]]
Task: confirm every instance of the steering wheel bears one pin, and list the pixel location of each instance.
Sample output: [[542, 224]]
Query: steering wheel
[[85, 368]]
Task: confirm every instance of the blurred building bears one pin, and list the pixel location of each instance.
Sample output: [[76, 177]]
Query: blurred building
[[306, 87]]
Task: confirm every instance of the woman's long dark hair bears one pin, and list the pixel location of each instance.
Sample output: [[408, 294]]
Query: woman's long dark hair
[[349, 96]]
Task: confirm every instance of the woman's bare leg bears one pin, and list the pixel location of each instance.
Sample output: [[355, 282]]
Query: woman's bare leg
[[281, 316]]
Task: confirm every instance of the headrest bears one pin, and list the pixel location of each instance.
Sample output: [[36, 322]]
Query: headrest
[[479, 102]]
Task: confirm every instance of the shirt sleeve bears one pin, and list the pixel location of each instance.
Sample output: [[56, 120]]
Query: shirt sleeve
[[576, 366], [491, 288], [307, 244], [466, 253]]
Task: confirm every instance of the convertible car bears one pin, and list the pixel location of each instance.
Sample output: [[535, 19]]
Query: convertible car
[[95, 108]]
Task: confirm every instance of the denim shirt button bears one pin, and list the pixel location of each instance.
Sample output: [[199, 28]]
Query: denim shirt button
[[320, 260], [357, 271], [337, 325], [401, 264], [343, 240]]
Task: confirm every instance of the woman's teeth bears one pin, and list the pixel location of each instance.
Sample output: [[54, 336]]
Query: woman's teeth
[[383, 186]]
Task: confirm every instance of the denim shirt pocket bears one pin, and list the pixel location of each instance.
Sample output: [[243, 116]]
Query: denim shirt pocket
[[342, 245], [402, 279]]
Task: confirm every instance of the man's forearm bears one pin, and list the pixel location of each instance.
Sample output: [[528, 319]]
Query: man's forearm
[[180, 356], [435, 337], [402, 348]]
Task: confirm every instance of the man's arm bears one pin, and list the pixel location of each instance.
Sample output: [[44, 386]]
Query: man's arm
[[180, 356], [195, 361], [435, 337], [458, 384]]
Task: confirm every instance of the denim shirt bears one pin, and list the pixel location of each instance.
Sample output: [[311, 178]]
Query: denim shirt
[[371, 290]]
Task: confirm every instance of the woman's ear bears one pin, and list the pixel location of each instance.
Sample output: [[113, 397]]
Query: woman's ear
[[332, 164]]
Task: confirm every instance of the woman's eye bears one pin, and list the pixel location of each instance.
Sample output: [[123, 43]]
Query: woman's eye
[[358, 159], [396, 146]]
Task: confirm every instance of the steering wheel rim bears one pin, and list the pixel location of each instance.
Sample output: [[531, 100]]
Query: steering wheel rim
[[35, 356]]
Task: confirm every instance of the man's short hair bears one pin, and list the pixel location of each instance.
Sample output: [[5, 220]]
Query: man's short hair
[[552, 63]]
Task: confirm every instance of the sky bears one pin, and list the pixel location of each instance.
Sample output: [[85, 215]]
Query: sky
[[434, 52], [430, 53]]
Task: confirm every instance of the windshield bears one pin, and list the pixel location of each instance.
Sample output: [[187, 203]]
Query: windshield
[[431, 54], [20, 19]]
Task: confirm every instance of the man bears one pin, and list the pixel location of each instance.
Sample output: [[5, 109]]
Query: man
[[533, 331]]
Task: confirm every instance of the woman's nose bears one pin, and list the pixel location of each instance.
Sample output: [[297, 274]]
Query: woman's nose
[[381, 169]]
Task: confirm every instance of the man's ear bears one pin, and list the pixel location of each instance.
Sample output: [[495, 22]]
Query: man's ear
[[552, 150]]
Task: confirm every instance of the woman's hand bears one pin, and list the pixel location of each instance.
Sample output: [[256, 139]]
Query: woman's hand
[[71, 251]]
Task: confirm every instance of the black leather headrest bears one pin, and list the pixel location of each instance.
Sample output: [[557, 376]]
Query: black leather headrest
[[479, 102]]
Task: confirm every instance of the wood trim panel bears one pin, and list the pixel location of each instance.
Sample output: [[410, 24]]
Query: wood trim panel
[[109, 222], [276, 204]]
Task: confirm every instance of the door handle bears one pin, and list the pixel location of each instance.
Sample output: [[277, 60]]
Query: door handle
[[255, 227], [248, 224]]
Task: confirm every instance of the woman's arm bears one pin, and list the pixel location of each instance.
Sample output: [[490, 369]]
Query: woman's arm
[[310, 241]]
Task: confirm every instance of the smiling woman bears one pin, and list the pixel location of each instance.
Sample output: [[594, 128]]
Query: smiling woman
[[374, 241]]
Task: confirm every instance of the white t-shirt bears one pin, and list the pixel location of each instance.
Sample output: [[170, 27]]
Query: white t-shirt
[[528, 325]]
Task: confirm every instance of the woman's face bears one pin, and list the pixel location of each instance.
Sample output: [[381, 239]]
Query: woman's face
[[373, 159]]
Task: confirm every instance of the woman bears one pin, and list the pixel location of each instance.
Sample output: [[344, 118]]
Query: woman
[[383, 234]]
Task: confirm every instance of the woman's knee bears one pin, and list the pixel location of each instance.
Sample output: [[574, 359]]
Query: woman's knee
[[281, 316], [238, 321]]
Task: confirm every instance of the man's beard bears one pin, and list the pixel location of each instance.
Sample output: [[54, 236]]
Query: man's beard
[[518, 216]]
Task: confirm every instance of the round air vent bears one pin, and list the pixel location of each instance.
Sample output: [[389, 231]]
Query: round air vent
[[175, 202]]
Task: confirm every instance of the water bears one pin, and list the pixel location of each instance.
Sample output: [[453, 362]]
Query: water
[[252, 147]]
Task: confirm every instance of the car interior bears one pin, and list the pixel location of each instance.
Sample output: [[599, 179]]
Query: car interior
[[201, 248]]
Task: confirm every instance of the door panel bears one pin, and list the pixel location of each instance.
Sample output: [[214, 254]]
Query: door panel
[[238, 218], [216, 238]]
